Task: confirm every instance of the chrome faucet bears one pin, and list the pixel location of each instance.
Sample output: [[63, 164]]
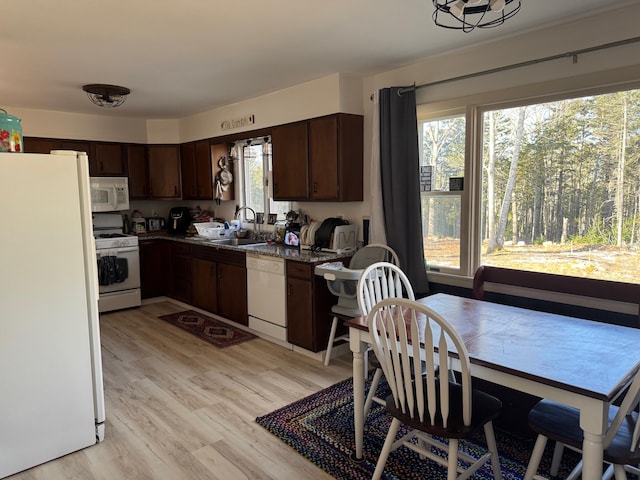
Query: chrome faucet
[[256, 228]]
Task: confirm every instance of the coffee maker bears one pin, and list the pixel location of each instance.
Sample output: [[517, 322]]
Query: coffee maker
[[179, 220]]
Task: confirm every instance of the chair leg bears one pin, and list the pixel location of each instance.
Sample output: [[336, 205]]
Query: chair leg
[[619, 472], [386, 449], [372, 391], [536, 456], [452, 468], [558, 450], [493, 448], [332, 336]]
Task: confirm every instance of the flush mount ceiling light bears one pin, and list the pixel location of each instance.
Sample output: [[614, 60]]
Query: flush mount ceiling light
[[108, 96], [467, 15]]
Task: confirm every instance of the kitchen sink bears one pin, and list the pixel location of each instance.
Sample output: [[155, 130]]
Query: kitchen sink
[[237, 241]]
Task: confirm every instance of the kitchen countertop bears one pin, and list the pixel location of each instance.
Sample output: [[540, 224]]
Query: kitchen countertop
[[271, 250]]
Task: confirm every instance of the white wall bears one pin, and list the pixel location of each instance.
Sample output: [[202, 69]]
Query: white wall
[[330, 94], [46, 123]]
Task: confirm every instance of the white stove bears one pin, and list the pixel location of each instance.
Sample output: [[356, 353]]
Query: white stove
[[118, 260]]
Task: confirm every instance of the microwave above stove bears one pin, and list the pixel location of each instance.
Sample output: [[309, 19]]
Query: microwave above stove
[[109, 194]]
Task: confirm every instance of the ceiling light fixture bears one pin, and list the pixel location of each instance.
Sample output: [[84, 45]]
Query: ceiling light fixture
[[109, 96], [467, 15]]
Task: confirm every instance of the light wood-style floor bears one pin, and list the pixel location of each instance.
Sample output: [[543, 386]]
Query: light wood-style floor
[[180, 408]]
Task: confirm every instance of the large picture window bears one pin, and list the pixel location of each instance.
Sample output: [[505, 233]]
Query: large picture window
[[561, 187], [547, 186]]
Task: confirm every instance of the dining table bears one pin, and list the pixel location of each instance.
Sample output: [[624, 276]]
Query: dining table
[[582, 363]]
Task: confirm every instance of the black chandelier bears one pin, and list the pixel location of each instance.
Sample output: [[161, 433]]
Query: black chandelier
[[109, 96], [467, 15]]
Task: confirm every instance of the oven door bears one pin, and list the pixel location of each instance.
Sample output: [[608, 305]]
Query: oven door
[[118, 269]]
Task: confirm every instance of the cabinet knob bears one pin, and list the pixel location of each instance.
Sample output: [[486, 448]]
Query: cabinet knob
[[315, 187]]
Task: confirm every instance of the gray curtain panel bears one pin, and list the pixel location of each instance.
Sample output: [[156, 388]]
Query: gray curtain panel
[[399, 171]]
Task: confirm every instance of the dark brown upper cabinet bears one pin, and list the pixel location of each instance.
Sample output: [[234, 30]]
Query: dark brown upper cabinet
[[197, 174], [319, 159]]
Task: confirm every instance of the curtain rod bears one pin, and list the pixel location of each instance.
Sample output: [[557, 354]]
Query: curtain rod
[[573, 54]]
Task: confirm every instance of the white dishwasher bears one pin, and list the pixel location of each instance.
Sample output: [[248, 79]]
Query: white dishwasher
[[266, 295]]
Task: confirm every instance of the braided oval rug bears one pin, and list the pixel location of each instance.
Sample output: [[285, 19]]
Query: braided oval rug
[[320, 427]]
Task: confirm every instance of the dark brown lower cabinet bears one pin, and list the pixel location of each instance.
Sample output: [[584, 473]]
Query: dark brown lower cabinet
[[232, 292], [180, 272], [154, 267], [204, 291], [219, 282], [308, 307]]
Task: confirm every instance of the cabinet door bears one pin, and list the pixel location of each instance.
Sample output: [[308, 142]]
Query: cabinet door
[[323, 158], [188, 171], [137, 171], [40, 145], [350, 157], [164, 171], [180, 276], [109, 160], [204, 285], [204, 174], [232, 293], [290, 161], [336, 158], [197, 179], [153, 267], [300, 313]]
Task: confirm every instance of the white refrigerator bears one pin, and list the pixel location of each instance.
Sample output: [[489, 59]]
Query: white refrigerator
[[51, 389]]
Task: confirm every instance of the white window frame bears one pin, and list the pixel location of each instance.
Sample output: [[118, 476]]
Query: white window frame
[[474, 109], [266, 182], [427, 114]]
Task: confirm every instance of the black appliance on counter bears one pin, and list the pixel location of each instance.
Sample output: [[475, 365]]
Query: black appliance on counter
[[179, 220], [292, 229]]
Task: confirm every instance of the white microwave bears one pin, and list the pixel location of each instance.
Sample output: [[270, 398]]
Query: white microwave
[[109, 194]]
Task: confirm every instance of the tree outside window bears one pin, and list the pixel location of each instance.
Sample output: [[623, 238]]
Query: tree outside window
[[561, 187]]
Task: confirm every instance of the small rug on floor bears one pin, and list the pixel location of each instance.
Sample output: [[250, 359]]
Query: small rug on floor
[[320, 428], [220, 334]]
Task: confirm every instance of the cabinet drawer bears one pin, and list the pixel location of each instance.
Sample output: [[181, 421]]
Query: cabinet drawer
[[299, 270], [219, 255]]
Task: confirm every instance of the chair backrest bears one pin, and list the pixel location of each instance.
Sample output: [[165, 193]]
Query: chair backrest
[[627, 407], [395, 324], [346, 288], [375, 252], [379, 281], [387, 254]]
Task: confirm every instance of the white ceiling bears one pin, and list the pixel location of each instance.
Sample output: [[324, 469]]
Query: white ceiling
[[184, 57]]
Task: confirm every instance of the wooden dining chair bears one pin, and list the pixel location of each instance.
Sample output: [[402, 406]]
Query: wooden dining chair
[[379, 281], [433, 408], [555, 421]]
